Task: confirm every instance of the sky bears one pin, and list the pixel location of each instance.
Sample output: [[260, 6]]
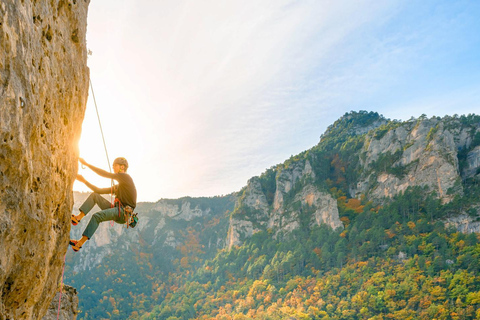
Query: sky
[[200, 96]]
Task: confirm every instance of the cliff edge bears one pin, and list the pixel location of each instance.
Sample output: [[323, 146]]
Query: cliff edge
[[43, 95]]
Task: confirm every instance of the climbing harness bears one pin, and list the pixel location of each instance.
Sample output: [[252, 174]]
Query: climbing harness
[[129, 216]]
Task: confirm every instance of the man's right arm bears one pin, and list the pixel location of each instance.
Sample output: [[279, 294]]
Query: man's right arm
[[94, 188], [98, 190]]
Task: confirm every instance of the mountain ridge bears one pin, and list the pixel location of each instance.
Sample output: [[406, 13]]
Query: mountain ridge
[[372, 156]]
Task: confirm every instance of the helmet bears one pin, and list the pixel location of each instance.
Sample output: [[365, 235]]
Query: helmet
[[121, 161]]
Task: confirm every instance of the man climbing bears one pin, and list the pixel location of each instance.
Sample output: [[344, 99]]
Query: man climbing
[[125, 198]]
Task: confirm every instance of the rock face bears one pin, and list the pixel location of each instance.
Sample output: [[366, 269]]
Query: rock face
[[285, 216], [326, 209], [422, 153], [183, 211], [473, 163], [465, 223], [296, 202], [43, 94], [68, 299]]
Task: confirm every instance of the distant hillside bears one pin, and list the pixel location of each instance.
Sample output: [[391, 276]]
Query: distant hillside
[[363, 225], [164, 224]]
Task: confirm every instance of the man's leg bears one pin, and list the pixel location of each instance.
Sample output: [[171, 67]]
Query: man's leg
[[97, 218], [102, 216], [92, 200]]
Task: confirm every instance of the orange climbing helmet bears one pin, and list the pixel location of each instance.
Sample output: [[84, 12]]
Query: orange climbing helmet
[[121, 161]]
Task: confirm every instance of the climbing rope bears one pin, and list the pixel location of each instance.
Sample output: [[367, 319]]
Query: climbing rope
[[104, 144], [100, 124]]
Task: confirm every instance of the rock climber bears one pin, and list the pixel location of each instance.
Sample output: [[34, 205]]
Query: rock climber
[[125, 199]]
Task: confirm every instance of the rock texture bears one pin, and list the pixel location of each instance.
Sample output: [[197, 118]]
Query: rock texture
[[290, 208], [325, 206], [473, 163], [426, 156], [68, 299], [285, 217], [43, 94], [465, 223]]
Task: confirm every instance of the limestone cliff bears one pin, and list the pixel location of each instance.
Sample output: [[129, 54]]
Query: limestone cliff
[[465, 223], [43, 93], [309, 198], [296, 202], [420, 154], [472, 163]]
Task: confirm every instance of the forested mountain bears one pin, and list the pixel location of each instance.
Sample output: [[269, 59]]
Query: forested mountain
[[379, 220]]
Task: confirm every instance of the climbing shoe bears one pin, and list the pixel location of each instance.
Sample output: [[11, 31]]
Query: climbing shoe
[[75, 221], [74, 243]]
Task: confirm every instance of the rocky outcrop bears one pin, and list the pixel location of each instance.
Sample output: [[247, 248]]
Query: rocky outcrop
[[422, 154], [325, 206], [465, 223], [239, 230], [285, 217], [348, 122], [287, 179], [68, 300], [43, 94], [182, 212], [296, 199], [472, 163], [243, 226]]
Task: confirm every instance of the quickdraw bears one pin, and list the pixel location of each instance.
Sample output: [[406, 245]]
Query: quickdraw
[[131, 218]]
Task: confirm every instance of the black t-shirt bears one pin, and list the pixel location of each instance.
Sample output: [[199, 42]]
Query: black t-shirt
[[125, 190]]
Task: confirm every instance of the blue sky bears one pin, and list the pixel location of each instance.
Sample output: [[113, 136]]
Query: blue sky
[[200, 96]]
